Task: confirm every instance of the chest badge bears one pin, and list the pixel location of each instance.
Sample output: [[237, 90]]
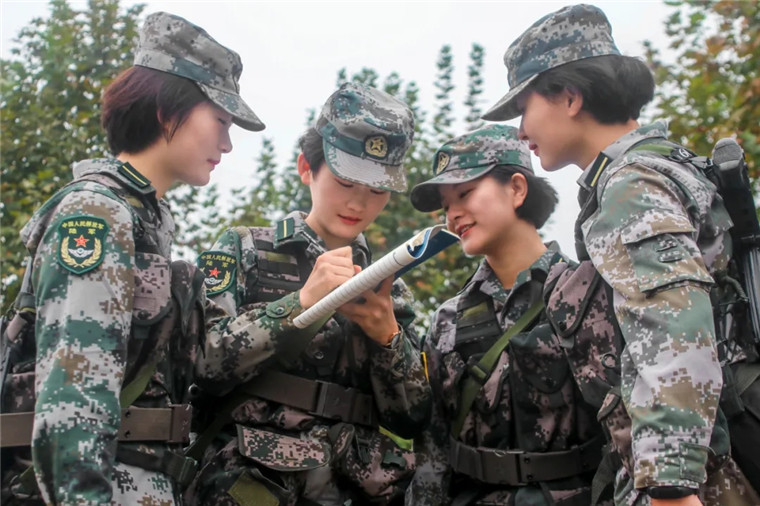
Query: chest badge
[[80, 243]]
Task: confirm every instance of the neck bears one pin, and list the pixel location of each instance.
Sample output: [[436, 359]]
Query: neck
[[148, 163], [599, 136], [517, 253]]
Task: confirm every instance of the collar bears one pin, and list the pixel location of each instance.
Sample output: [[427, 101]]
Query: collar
[[485, 280], [590, 176], [293, 229], [122, 171]]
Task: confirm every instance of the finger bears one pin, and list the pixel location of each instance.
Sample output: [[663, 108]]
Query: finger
[[385, 287]]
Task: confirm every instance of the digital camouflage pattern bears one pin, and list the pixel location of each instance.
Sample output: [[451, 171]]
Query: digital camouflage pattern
[[95, 328], [172, 44], [366, 133], [319, 459], [572, 33], [470, 156], [658, 237], [528, 403]]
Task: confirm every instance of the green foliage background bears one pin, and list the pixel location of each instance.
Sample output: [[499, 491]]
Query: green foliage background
[[49, 112]]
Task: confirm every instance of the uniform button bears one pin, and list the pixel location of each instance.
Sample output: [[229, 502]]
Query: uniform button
[[279, 310], [319, 355]]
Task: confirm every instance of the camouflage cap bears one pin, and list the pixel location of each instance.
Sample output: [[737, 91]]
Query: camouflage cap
[[365, 134], [172, 44], [469, 157], [570, 34]]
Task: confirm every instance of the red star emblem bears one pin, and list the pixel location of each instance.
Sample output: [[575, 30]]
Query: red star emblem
[[214, 272], [81, 241]]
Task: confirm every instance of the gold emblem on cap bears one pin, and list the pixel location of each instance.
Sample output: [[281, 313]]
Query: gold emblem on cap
[[376, 146], [443, 162]]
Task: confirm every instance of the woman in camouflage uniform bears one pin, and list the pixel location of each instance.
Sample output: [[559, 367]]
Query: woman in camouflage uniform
[[515, 431], [307, 403], [656, 230], [100, 279]]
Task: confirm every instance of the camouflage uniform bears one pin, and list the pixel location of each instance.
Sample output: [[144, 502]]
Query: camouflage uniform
[[102, 283], [657, 232], [530, 402], [658, 240], [94, 291], [275, 452]]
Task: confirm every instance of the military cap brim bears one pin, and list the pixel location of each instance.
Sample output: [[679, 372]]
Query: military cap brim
[[242, 115], [426, 196], [506, 108], [364, 171]]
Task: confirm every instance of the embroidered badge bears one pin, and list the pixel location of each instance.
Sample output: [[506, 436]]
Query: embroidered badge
[[219, 268], [443, 162], [80, 247], [376, 146]]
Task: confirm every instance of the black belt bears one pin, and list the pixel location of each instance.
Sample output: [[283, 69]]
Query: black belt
[[516, 468], [168, 425], [319, 398]]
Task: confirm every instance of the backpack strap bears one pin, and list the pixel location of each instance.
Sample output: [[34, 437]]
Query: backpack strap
[[481, 371]]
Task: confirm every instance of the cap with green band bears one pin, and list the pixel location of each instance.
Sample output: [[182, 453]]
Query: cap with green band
[[366, 134]]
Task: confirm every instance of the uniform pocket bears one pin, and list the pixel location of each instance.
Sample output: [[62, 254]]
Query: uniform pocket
[[282, 453], [663, 253], [374, 463]]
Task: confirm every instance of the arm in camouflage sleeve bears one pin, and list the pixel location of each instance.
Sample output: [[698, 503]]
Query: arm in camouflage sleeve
[[397, 375], [643, 243], [83, 324], [432, 478], [238, 348]]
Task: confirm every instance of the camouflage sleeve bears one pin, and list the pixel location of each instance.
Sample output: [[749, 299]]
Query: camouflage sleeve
[[431, 480], [398, 378], [225, 281], [237, 348], [643, 244], [84, 287]]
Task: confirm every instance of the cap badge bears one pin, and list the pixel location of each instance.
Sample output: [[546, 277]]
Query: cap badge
[[443, 162], [376, 146]]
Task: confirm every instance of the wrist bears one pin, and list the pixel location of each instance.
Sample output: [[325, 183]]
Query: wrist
[[388, 341]]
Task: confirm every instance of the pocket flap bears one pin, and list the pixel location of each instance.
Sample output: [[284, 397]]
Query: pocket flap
[[638, 230], [280, 452]]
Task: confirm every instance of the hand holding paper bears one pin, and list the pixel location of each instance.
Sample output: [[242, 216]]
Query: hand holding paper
[[416, 250]]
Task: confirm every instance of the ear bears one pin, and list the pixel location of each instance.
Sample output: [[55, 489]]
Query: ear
[[519, 186], [574, 101], [304, 170]]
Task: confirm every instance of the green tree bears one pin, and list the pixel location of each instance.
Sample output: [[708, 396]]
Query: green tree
[[474, 88], [709, 86], [50, 111]]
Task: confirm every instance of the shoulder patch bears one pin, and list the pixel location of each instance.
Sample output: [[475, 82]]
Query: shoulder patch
[[80, 243], [219, 268]]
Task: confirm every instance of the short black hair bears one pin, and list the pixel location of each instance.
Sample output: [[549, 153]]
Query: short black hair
[[541, 199], [137, 98], [614, 87], [311, 147]]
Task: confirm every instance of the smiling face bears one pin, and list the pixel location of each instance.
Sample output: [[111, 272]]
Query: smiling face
[[198, 144], [482, 212], [341, 209], [550, 127]]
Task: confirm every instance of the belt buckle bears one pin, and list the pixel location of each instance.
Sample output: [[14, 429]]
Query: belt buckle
[[507, 468], [181, 416]]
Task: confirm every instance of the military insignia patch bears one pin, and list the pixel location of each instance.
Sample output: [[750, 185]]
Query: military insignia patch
[[376, 146], [443, 162], [219, 268], [80, 243]]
